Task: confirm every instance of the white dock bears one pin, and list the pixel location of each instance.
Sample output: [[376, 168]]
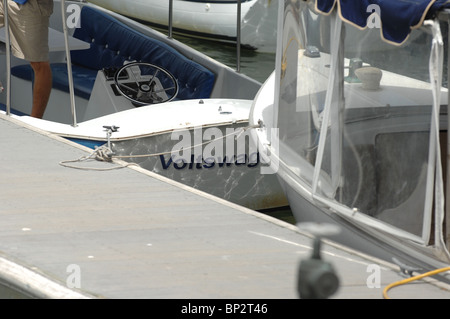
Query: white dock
[[128, 233]]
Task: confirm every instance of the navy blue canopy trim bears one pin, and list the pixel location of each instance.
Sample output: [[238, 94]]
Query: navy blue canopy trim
[[397, 17]]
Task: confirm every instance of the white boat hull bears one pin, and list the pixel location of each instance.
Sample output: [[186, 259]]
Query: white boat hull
[[361, 146], [234, 177], [143, 138], [354, 232], [209, 20], [145, 129], [378, 244]]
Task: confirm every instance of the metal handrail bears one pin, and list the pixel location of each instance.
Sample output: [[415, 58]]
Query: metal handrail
[[170, 18], [8, 58], [69, 64], [238, 37]]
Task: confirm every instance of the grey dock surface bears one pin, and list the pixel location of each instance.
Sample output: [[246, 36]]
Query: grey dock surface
[[129, 233]]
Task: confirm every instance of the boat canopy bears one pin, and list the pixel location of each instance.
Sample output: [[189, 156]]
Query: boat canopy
[[396, 17], [362, 123]]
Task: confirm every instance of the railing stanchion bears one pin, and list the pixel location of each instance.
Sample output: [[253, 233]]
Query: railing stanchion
[[69, 64], [170, 18], [8, 58], [238, 37]]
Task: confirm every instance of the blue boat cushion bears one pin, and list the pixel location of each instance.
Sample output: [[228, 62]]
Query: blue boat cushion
[[113, 43], [397, 17], [83, 78]]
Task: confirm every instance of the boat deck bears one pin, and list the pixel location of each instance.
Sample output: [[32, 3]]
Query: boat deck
[[128, 233]]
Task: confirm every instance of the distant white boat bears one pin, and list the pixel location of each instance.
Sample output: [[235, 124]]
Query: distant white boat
[[214, 20]]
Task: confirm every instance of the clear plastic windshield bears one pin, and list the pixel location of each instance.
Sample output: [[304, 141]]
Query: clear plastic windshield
[[354, 116]]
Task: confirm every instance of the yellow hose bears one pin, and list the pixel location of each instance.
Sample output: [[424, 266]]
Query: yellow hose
[[405, 281]]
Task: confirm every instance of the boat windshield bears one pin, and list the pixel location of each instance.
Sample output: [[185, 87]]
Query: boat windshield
[[355, 116]]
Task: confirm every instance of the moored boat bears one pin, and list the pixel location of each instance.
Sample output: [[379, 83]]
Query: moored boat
[[127, 88], [212, 20], [358, 137]]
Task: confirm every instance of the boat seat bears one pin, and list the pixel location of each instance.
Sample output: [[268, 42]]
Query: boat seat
[[83, 78], [111, 44]]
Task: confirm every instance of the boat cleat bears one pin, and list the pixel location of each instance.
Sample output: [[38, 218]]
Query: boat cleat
[[109, 130], [405, 270]]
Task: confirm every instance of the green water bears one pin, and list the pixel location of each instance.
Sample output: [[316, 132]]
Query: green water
[[257, 65], [282, 213]]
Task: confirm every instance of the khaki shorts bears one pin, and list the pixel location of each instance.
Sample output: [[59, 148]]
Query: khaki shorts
[[29, 28]]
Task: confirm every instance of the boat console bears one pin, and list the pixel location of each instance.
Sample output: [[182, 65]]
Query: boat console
[[112, 44]]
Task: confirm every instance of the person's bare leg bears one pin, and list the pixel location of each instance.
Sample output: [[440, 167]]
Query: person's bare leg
[[41, 88]]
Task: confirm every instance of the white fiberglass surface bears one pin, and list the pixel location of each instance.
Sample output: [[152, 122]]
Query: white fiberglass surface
[[354, 115]]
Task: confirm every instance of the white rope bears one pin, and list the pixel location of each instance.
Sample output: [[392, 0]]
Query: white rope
[[242, 130], [104, 154]]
